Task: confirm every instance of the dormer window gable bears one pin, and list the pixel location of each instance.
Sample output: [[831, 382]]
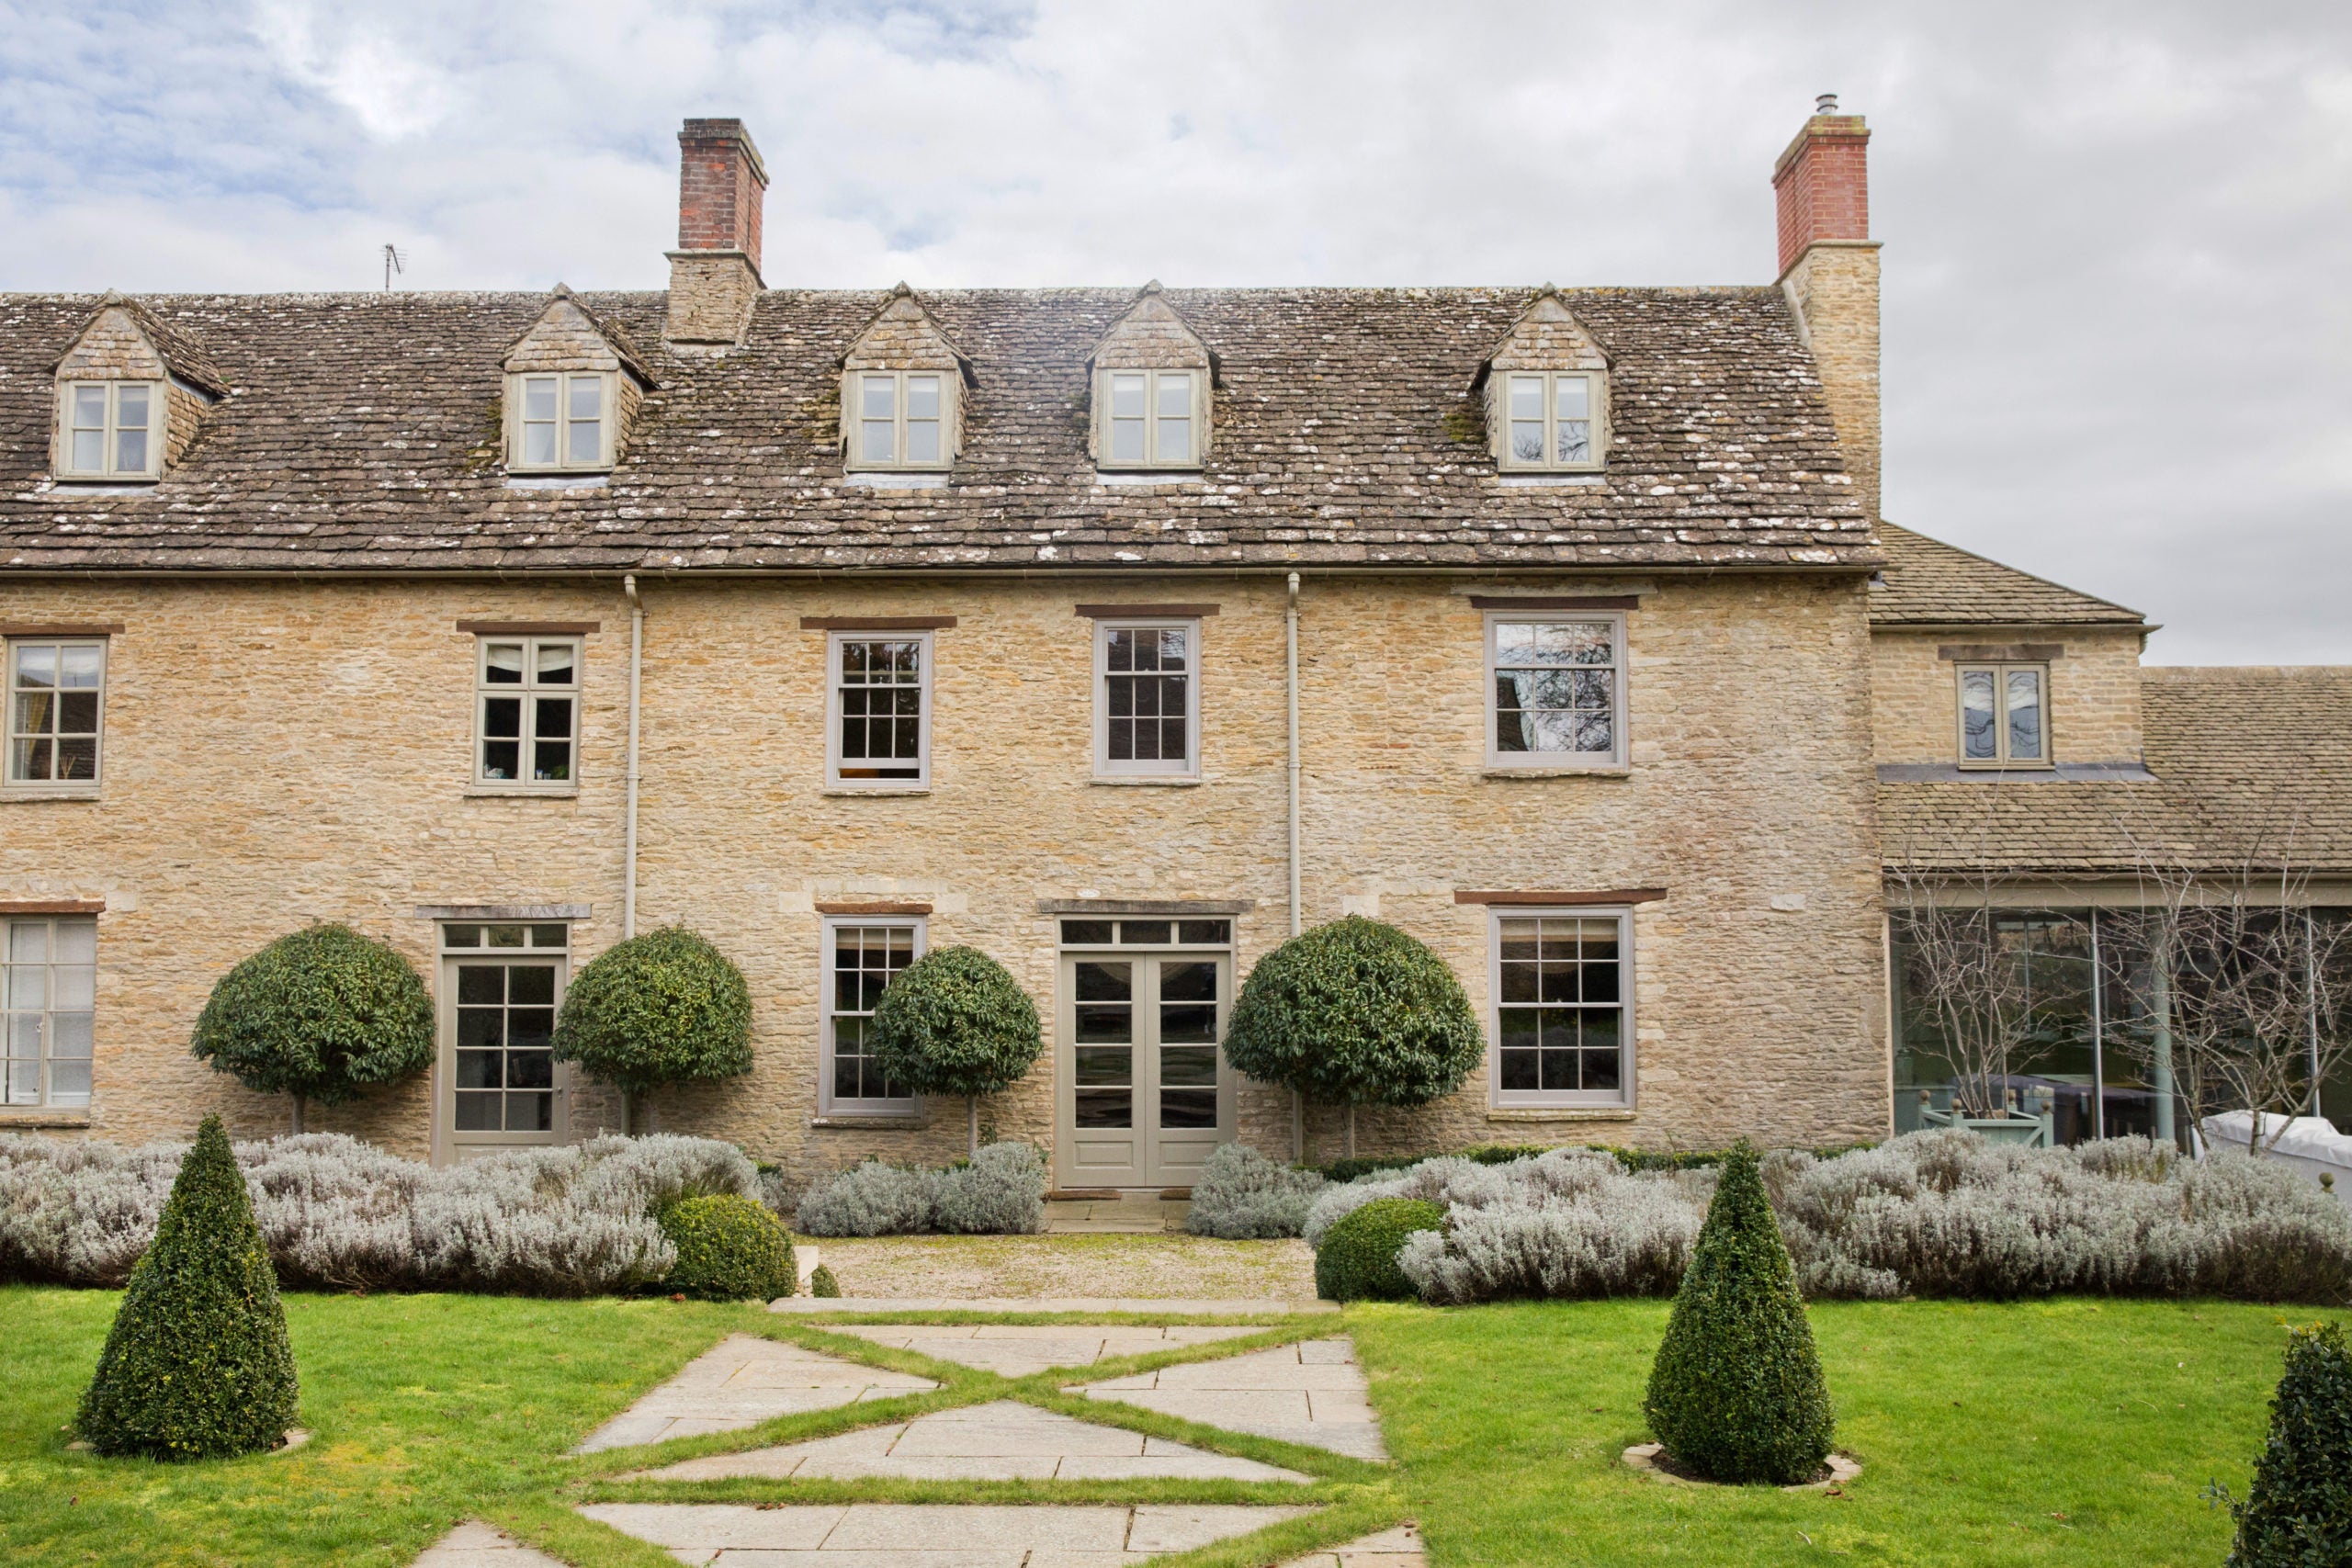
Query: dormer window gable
[[1545, 391], [902, 392], [130, 394], [573, 385], [1152, 376]]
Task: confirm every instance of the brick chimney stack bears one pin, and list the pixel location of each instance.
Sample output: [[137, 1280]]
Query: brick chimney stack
[[715, 271], [1829, 272]]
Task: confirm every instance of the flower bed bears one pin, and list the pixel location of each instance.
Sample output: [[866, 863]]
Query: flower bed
[[998, 1191], [1932, 1213], [340, 1215]]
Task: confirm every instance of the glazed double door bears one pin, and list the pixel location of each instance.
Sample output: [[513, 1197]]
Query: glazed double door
[[1144, 1093]]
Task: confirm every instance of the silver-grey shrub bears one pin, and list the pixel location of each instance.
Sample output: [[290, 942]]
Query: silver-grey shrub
[[343, 1214], [998, 1191], [1243, 1196], [1001, 1191], [1932, 1213]]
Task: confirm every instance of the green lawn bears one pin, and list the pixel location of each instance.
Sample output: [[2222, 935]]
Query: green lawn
[[2066, 1432]]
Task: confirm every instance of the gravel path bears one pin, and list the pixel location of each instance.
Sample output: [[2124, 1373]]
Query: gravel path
[[973, 1265]]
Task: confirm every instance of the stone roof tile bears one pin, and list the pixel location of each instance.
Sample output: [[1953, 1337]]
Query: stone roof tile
[[1929, 582]]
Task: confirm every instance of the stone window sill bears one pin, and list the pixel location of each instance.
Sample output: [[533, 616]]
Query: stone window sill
[[892, 1123], [22, 791], [1144, 781], [1598, 771], [41, 1116], [885, 792], [1560, 1114], [483, 792]]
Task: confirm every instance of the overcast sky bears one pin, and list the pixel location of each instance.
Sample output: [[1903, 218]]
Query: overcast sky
[[2118, 236]]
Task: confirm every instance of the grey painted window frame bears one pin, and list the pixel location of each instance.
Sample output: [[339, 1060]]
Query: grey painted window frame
[[49, 1010], [566, 462], [1562, 1100], [1152, 461], [2001, 760], [1613, 760], [525, 692], [853, 458], [1596, 404], [833, 779], [1104, 766], [159, 404], [830, 1104], [9, 782]]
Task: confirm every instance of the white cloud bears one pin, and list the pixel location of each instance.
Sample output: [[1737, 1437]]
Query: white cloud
[[2117, 342]]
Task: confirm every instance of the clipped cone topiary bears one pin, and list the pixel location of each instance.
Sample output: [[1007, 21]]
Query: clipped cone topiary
[[1735, 1393], [198, 1365], [2299, 1510]]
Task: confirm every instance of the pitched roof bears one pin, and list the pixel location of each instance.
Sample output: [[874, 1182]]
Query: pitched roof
[[2244, 759], [362, 434], [1929, 582]]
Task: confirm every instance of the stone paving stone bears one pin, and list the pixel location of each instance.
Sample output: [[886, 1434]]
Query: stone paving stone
[[1400, 1548], [1018, 1349], [741, 1382], [475, 1545], [1193, 1306], [1002, 1440], [1322, 1403], [931, 1535]]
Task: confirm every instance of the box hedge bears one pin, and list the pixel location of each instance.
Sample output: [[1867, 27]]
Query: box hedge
[[730, 1249], [197, 1364], [1358, 1259]]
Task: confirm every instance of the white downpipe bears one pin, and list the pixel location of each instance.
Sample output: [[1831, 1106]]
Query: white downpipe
[[1290, 631], [629, 839]]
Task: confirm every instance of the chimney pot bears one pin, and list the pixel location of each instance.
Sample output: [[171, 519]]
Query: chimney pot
[[1825, 104]]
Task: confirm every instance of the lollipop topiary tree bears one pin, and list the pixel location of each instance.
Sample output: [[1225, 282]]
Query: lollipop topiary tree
[[664, 1007], [321, 1014], [1355, 1013], [197, 1364], [954, 1021], [1737, 1394]]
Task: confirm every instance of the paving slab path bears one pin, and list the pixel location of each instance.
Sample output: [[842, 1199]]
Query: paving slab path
[[1312, 1393], [741, 1382], [1400, 1548], [1015, 1351], [1001, 1440], [1186, 1306], [475, 1545], [890, 1535]]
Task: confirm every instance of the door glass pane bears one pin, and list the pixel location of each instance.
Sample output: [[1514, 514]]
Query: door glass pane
[[1188, 1002], [1204, 932]]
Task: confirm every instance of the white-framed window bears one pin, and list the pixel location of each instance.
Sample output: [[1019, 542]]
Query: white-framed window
[[560, 421], [905, 419], [1146, 697], [502, 983], [526, 707], [1553, 420], [862, 956], [1563, 985], [1556, 690], [110, 430], [2004, 715], [56, 697], [877, 716], [48, 1005], [1151, 419]]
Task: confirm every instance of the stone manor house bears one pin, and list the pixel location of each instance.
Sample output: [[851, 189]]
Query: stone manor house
[[1117, 632]]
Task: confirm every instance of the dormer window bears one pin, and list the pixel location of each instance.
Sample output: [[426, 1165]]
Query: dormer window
[[565, 423], [902, 418], [1151, 419], [1552, 421], [112, 430]]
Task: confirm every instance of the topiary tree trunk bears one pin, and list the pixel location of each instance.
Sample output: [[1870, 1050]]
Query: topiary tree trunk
[[2299, 1510], [1737, 1393], [197, 1364]]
